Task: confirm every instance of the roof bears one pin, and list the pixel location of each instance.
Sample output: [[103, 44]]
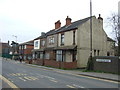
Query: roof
[[28, 43], [110, 39], [73, 25]]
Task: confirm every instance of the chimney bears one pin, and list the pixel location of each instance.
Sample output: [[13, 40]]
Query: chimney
[[68, 21], [100, 17], [8, 42], [42, 33], [57, 24]]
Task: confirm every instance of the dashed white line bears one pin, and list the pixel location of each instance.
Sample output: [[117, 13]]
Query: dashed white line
[[53, 80], [22, 78], [78, 86], [70, 86]]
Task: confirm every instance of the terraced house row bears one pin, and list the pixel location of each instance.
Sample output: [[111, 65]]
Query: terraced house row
[[69, 46]]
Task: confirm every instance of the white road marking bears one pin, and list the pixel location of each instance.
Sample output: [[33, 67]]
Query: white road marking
[[27, 78], [70, 86], [78, 86], [49, 77], [21, 78], [53, 80], [33, 78]]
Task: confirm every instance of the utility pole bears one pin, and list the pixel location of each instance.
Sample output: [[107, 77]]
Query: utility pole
[[90, 28], [119, 28], [90, 63]]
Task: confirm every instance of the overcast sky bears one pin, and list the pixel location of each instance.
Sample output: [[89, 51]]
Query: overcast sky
[[26, 19]]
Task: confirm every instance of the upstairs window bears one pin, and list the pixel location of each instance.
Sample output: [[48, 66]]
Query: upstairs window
[[62, 39], [73, 37], [36, 43], [43, 43], [51, 40], [25, 47]]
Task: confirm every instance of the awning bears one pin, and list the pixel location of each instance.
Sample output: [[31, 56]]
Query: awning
[[66, 47]]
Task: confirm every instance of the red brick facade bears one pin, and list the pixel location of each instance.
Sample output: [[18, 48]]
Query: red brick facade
[[56, 64]]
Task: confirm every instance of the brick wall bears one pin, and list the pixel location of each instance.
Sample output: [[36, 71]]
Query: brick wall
[[67, 65], [110, 65]]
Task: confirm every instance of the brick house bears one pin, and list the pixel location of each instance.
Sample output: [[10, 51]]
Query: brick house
[[25, 49], [69, 46], [4, 50]]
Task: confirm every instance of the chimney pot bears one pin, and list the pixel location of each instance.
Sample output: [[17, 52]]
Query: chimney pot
[[68, 21], [100, 17], [57, 24]]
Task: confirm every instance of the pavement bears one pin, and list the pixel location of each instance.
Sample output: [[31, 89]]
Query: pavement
[[107, 76]]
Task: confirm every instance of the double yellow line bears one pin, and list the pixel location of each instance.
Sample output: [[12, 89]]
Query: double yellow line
[[8, 82]]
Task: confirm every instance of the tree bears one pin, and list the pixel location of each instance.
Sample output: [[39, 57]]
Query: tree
[[114, 23]]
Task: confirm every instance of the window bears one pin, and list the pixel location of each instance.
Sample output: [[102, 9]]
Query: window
[[59, 55], [108, 53], [43, 43], [74, 55], [51, 40], [25, 47], [41, 55], [47, 56], [94, 52], [98, 52], [73, 37], [36, 43], [20, 47], [62, 39]]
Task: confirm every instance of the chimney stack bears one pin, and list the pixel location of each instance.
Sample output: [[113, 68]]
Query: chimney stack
[[68, 21], [100, 17], [57, 24]]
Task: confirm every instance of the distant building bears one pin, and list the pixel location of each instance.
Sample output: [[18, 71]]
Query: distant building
[[4, 49], [69, 46], [25, 49]]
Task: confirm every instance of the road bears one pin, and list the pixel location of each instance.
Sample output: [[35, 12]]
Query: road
[[26, 76]]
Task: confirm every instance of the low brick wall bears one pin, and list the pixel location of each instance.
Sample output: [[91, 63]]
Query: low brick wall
[[52, 63], [106, 64], [37, 61], [57, 64]]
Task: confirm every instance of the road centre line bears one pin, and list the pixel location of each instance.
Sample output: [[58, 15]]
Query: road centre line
[[8, 82]]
